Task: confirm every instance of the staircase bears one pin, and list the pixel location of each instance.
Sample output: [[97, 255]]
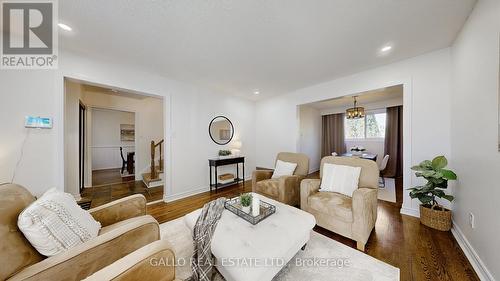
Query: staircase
[[155, 176]]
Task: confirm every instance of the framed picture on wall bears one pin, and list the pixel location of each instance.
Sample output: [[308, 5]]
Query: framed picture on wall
[[127, 132]]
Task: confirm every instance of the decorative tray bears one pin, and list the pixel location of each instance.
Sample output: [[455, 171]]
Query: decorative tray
[[235, 207]]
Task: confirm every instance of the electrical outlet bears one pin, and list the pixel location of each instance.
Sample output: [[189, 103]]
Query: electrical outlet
[[472, 222]]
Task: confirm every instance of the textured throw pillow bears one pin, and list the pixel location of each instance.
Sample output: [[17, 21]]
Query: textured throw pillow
[[283, 169], [55, 223], [340, 178]]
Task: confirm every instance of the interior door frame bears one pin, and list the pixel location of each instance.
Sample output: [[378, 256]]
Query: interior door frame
[[163, 94], [82, 127]]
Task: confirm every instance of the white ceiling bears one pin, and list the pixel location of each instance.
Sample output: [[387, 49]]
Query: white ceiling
[[275, 46], [378, 96]]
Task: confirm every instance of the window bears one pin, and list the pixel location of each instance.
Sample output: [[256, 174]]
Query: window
[[372, 126], [354, 128]]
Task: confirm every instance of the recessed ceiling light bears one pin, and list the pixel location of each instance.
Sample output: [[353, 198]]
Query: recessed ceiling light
[[256, 92], [65, 27], [386, 49]]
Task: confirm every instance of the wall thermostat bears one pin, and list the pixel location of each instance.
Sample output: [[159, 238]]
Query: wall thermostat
[[38, 122]]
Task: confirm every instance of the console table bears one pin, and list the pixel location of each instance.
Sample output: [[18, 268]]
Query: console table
[[223, 162]]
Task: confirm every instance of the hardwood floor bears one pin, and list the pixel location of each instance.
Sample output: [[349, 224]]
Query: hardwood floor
[[109, 186], [421, 253], [108, 176]]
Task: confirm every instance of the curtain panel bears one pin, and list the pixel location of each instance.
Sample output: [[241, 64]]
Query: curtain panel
[[332, 139], [394, 142]]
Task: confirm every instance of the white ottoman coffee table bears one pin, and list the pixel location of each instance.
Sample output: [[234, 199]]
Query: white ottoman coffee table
[[246, 252]]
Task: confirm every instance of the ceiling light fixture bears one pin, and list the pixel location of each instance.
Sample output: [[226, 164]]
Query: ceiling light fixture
[[256, 92], [65, 27], [355, 112], [386, 49]]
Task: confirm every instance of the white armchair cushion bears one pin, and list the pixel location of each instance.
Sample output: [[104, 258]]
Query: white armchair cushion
[[55, 223], [283, 169], [340, 178]]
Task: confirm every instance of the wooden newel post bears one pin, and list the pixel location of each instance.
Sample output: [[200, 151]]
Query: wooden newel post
[[153, 170]]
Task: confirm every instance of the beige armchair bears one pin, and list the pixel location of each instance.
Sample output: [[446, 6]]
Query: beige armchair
[[350, 217], [285, 189], [126, 228], [154, 261]]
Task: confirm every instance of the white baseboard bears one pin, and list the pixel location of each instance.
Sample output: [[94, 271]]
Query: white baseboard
[[106, 168], [471, 254], [174, 197], [154, 202], [410, 212]]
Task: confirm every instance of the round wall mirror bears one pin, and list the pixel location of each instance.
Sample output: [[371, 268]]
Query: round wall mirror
[[221, 130]]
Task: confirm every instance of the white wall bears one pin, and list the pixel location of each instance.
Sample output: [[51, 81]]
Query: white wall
[[426, 82], [71, 144], [106, 138], [474, 133], [375, 146], [310, 135], [188, 112], [149, 125], [28, 93]]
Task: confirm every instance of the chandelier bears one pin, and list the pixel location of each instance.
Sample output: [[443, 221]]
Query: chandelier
[[355, 112]]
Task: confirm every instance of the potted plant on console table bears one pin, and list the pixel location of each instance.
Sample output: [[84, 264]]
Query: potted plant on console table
[[431, 213], [225, 154]]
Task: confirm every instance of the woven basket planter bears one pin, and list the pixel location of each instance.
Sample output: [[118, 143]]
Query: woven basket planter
[[439, 219]]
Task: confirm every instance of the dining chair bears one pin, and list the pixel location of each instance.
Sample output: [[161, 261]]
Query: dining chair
[[382, 167]]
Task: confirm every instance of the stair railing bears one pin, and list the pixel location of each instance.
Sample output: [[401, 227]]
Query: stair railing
[[154, 172]]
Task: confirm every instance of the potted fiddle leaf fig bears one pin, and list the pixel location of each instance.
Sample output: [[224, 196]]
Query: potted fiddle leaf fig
[[432, 213]]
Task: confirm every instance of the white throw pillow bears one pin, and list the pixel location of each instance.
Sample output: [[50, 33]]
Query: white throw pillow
[[55, 223], [340, 178], [283, 169]]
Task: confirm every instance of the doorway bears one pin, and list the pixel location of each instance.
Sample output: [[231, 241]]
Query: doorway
[[108, 137], [112, 146], [377, 134]]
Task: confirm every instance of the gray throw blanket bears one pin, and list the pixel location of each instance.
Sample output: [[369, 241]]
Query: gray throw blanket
[[202, 262]]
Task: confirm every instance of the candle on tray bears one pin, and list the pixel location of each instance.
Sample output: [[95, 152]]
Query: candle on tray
[[255, 205]]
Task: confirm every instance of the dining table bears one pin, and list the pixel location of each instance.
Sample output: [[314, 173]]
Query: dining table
[[364, 155]]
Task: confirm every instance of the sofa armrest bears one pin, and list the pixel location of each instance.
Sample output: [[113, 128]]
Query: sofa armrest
[[307, 188], [289, 189], [364, 210], [155, 261], [93, 255], [119, 210], [259, 175]]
